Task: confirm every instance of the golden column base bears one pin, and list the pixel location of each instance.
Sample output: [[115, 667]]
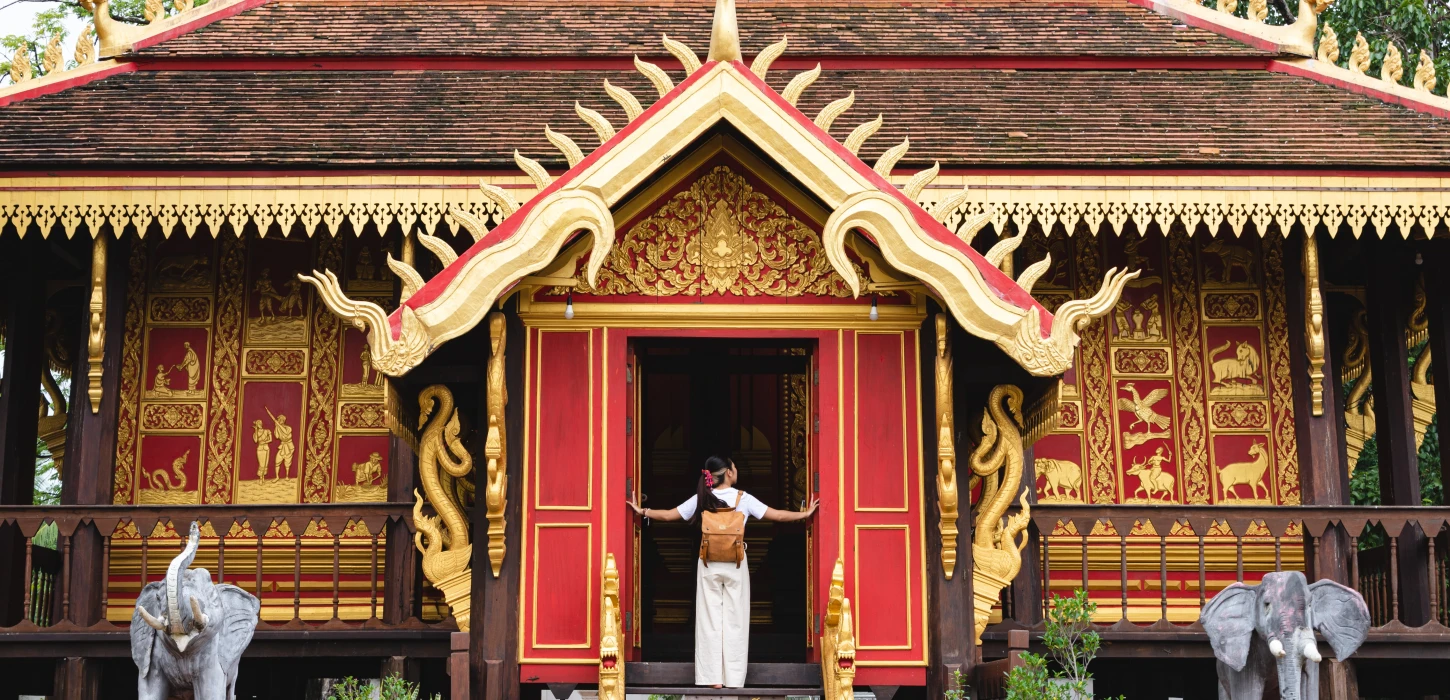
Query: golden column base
[[458, 593], [986, 592]]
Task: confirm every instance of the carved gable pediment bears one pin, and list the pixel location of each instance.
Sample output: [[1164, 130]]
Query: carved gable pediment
[[718, 235]]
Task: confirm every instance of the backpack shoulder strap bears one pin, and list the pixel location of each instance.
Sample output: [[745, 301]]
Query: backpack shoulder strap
[[738, 494]]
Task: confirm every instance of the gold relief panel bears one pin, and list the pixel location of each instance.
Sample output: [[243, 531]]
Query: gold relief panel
[[1057, 463], [1232, 306], [362, 469], [720, 235], [359, 379], [1069, 416], [1228, 263], [365, 267], [1239, 415], [1139, 316], [179, 309], [1234, 357], [175, 364], [269, 463], [274, 362], [276, 310], [361, 416], [1147, 449], [184, 265], [1133, 360], [1241, 468], [173, 417], [170, 467]]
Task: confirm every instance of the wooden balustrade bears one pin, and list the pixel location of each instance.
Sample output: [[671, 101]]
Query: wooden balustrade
[[1154, 566], [297, 558]]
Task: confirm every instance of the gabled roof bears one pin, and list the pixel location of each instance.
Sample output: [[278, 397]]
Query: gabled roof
[[984, 301]]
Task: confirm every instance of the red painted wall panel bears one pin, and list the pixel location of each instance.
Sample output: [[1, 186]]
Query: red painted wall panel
[[881, 423], [883, 600], [564, 437], [562, 589]]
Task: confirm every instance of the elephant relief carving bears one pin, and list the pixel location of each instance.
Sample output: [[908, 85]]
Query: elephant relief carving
[[1265, 632], [187, 634]]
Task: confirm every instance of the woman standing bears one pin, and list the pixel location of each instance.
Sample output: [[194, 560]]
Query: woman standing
[[722, 588]]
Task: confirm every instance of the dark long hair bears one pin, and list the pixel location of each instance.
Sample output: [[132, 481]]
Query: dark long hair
[[705, 498]]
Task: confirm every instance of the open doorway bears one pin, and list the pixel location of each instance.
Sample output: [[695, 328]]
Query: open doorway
[[751, 400]]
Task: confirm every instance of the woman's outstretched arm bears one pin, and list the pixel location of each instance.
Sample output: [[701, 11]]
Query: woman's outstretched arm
[[790, 516], [663, 516]]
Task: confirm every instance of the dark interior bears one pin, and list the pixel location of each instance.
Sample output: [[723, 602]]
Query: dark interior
[[751, 401]]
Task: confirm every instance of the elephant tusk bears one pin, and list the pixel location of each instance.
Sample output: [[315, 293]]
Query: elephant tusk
[[1276, 648], [158, 625], [198, 614], [1311, 651]]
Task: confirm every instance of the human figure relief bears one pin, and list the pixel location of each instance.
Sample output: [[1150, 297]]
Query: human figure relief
[[266, 294], [364, 269], [1155, 319], [369, 472], [366, 356], [192, 365], [285, 446], [161, 386], [293, 301], [1120, 320], [263, 439], [162, 481], [1151, 477]]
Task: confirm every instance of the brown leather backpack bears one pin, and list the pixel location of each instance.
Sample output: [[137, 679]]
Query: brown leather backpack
[[724, 534]]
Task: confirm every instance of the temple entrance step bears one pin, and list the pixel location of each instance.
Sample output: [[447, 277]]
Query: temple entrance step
[[698, 693], [660, 674]]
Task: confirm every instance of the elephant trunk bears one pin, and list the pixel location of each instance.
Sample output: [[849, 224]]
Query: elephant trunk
[[173, 581], [1290, 667]]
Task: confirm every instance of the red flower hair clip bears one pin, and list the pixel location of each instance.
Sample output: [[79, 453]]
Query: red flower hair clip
[[709, 478]]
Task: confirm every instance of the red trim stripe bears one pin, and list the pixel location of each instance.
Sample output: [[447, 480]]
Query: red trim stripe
[[1300, 70], [50, 88]]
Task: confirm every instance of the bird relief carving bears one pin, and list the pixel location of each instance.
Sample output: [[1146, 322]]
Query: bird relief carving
[[1146, 443]]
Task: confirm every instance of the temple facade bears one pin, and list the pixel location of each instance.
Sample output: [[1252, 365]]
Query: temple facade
[[403, 301]]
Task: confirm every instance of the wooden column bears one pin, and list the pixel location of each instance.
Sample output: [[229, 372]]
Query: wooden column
[[1389, 296], [1437, 291], [494, 646], [1027, 587], [949, 602], [1323, 475], [25, 271], [400, 569]]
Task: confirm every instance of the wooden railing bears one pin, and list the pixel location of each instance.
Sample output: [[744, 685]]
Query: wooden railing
[[311, 551], [1175, 551]]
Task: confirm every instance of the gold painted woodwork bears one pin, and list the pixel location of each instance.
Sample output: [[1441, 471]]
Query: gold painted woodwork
[[495, 447], [566, 146], [596, 121], [1328, 45], [1295, 38], [611, 635], [724, 33], [797, 85], [996, 553], [1392, 69], [1359, 55], [946, 476], [682, 53], [656, 75], [627, 102], [1359, 415], [20, 70], [760, 66], [1422, 389], [838, 641], [51, 58], [85, 49], [1314, 343], [96, 324], [536, 172], [1425, 73], [443, 539], [858, 136], [828, 114]]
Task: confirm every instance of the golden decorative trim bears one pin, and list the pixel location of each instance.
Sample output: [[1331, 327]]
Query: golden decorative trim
[[1314, 344], [495, 448], [566, 146], [442, 460], [1359, 416], [763, 60], [1277, 371], [1424, 73], [797, 85], [322, 389], [611, 635], [85, 50], [1422, 390], [838, 641], [858, 135], [996, 553], [96, 334], [128, 421], [1295, 38], [946, 475], [1392, 69], [1097, 392], [1359, 55], [627, 102], [1328, 45], [1187, 329], [596, 121], [20, 70], [656, 75], [225, 373], [724, 33], [682, 53]]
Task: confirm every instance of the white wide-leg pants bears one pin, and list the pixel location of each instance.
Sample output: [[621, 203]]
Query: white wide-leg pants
[[722, 623]]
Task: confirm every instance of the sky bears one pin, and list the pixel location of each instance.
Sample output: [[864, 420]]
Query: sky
[[16, 17]]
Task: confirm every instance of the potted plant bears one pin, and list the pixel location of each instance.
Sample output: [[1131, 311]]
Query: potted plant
[[1072, 643]]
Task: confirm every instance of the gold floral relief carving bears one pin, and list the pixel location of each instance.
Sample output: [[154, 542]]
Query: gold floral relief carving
[[720, 236], [322, 385], [221, 463], [1188, 349], [1281, 391], [1093, 377], [128, 423]]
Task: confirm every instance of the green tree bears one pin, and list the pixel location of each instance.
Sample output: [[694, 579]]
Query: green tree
[[1413, 25], [50, 22]]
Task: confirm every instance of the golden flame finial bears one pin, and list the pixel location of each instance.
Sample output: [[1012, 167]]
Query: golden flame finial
[[725, 35]]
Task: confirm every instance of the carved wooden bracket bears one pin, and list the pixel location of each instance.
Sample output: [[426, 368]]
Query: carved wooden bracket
[[946, 474], [1314, 324], [96, 338], [495, 448]]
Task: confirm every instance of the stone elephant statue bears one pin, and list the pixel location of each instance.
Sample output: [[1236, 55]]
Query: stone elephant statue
[[1265, 631], [187, 634]]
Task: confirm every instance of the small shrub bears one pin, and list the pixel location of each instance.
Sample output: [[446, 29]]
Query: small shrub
[[393, 688], [1071, 642]]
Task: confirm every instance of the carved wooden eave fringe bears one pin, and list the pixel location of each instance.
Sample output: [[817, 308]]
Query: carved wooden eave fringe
[[985, 302]]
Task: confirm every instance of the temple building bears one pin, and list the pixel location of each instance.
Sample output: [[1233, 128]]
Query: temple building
[[402, 301]]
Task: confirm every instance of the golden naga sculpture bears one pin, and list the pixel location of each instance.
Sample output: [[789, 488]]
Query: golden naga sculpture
[[96, 332], [443, 540], [996, 553], [611, 636], [838, 641], [1359, 55], [946, 474], [1422, 390], [390, 355], [1359, 405], [1425, 73], [1314, 343], [495, 447]]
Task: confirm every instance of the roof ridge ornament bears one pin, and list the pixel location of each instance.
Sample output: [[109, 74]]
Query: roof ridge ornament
[[761, 65], [725, 34]]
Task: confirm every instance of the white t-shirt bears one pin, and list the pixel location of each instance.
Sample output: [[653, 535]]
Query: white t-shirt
[[749, 504]]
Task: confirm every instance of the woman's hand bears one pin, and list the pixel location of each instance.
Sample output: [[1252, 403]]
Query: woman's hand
[[635, 506], [815, 502], [789, 516]]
